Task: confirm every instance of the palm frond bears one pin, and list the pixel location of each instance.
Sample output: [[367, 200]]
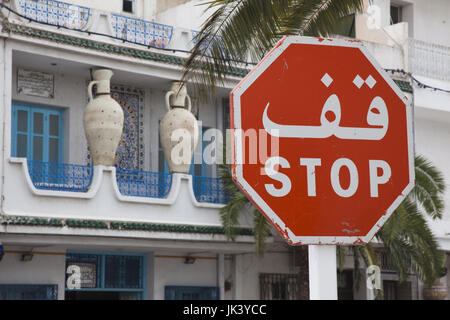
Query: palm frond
[[318, 17], [411, 243], [241, 28], [429, 187], [261, 230]]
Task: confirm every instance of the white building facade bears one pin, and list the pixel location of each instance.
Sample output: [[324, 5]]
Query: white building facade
[[134, 231]]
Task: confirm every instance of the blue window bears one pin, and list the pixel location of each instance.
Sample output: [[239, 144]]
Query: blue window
[[28, 292], [191, 293], [37, 132]]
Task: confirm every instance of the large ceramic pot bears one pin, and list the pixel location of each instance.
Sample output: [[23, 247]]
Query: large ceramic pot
[[178, 129], [103, 120]]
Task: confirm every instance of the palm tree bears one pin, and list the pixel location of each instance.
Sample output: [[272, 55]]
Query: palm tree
[[239, 29], [405, 236]]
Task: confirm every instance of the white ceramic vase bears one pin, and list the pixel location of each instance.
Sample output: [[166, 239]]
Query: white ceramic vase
[[178, 129], [103, 120]]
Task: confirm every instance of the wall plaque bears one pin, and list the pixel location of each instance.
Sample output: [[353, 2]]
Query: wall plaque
[[35, 83]]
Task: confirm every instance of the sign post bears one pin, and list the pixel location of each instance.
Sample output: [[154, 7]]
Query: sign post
[[322, 272], [322, 145]]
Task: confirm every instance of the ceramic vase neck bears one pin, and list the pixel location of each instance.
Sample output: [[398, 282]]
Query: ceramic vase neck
[[180, 98], [102, 77]]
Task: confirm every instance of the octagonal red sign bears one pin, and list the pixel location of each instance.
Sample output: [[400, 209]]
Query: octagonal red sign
[[322, 141]]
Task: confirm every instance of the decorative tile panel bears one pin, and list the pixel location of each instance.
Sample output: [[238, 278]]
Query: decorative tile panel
[[130, 153], [55, 12]]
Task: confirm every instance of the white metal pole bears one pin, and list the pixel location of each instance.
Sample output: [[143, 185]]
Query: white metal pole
[[322, 272]]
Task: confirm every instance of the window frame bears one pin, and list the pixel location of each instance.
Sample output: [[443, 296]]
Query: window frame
[[101, 273], [133, 6], [399, 12]]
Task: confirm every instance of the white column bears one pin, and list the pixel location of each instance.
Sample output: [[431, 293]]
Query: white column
[[237, 278], [322, 272]]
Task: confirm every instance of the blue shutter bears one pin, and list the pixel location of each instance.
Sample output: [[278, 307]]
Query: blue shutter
[[28, 292], [42, 133]]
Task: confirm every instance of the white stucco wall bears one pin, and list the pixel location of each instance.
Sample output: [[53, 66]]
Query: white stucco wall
[[431, 138], [170, 270], [42, 269], [249, 267], [432, 21], [189, 15]]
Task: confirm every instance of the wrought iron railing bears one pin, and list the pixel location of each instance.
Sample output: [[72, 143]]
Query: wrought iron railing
[[55, 13], [386, 262], [209, 190], [430, 60], [60, 176], [141, 31], [274, 286], [143, 183]]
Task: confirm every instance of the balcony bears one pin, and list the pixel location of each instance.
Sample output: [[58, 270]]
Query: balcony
[[143, 183], [60, 176], [75, 17], [429, 60], [130, 183], [107, 197], [209, 190]]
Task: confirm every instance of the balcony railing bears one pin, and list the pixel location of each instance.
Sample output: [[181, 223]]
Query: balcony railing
[[55, 13], [60, 176], [135, 183], [429, 59], [209, 190], [143, 183], [141, 31]]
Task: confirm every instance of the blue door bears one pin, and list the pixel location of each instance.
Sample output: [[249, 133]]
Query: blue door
[[191, 293]]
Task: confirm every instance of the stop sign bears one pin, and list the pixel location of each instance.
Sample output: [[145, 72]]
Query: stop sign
[[322, 141]]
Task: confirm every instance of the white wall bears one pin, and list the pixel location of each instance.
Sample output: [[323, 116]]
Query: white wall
[[427, 20], [189, 15], [432, 21], [114, 6], [249, 267], [170, 270]]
